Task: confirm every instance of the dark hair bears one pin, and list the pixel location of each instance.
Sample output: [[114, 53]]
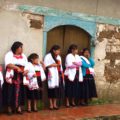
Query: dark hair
[[54, 48], [85, 49], [72, 47], [32, 57], [15, 46]]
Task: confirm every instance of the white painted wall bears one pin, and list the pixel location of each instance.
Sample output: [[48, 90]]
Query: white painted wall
[[15, 26]]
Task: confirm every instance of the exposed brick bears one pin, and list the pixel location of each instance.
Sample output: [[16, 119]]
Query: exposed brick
[[106, 34], [112, 73], [112, 56], [35, 24], [117, 35]]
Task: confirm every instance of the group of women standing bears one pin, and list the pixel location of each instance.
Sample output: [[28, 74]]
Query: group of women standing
[[24, 77]]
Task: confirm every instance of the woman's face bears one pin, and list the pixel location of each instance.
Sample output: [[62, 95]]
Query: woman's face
[[36, 61], [75, 51], [19, 50], [87, 54], [57, 52]]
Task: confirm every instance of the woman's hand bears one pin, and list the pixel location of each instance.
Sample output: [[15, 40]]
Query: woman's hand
[[25, 72], [74, 63], [9, 81], [34, 75], [77, 63], [19, 70], [54, 65]]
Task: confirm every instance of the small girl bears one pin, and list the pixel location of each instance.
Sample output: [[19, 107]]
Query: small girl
[[1, 83], [35, 75]]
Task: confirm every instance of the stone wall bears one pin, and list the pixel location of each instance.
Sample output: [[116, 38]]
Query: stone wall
[[107, 56], [16, 26]]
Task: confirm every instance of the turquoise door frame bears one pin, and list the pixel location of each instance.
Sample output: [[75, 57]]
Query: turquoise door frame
[[51, 22]]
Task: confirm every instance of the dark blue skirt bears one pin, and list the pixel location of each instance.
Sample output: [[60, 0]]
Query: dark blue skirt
[[89, 87], [73, 89], [9, 95], [33, 94]]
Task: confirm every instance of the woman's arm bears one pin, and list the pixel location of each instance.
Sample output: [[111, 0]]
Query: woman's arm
[[53, 65], [12, 66], [77, 63], [92, 62], [84, 64]]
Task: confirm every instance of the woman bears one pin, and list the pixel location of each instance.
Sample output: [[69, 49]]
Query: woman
[[53, 65], [15, 63], [73, 75], [89, 88]]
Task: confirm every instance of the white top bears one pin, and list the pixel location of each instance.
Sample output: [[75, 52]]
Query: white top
[[53, 75], [71, 72], [33, 83], [1, 79], [10, 58]]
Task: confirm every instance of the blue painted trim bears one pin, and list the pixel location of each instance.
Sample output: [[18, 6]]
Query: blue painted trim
[[51, 22], [44, 43], [55, 12]]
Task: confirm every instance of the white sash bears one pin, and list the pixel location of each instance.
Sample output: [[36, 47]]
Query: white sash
[[33, 84], [71, 72], [53, 75], [1, 78]]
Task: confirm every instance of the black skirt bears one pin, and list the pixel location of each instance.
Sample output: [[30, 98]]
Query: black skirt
[[35, 94], [57, 92], [32, 94], [0, 97], [9, 95], [14, 94], [74, 89], [53, 92], [92, 87], [89, 87]]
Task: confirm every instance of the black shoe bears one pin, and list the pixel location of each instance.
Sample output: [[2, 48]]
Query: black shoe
[[67, 106], [35, 110], [51, 108], [29, 111], [19, 112], [56, 108], [73, 105], [83, 104]]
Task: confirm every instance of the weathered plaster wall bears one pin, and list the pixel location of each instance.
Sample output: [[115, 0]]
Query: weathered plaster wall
[[107, 56], [20, 26], [108, 8]]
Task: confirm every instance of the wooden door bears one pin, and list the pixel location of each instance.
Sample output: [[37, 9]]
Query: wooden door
[[64, 36]]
